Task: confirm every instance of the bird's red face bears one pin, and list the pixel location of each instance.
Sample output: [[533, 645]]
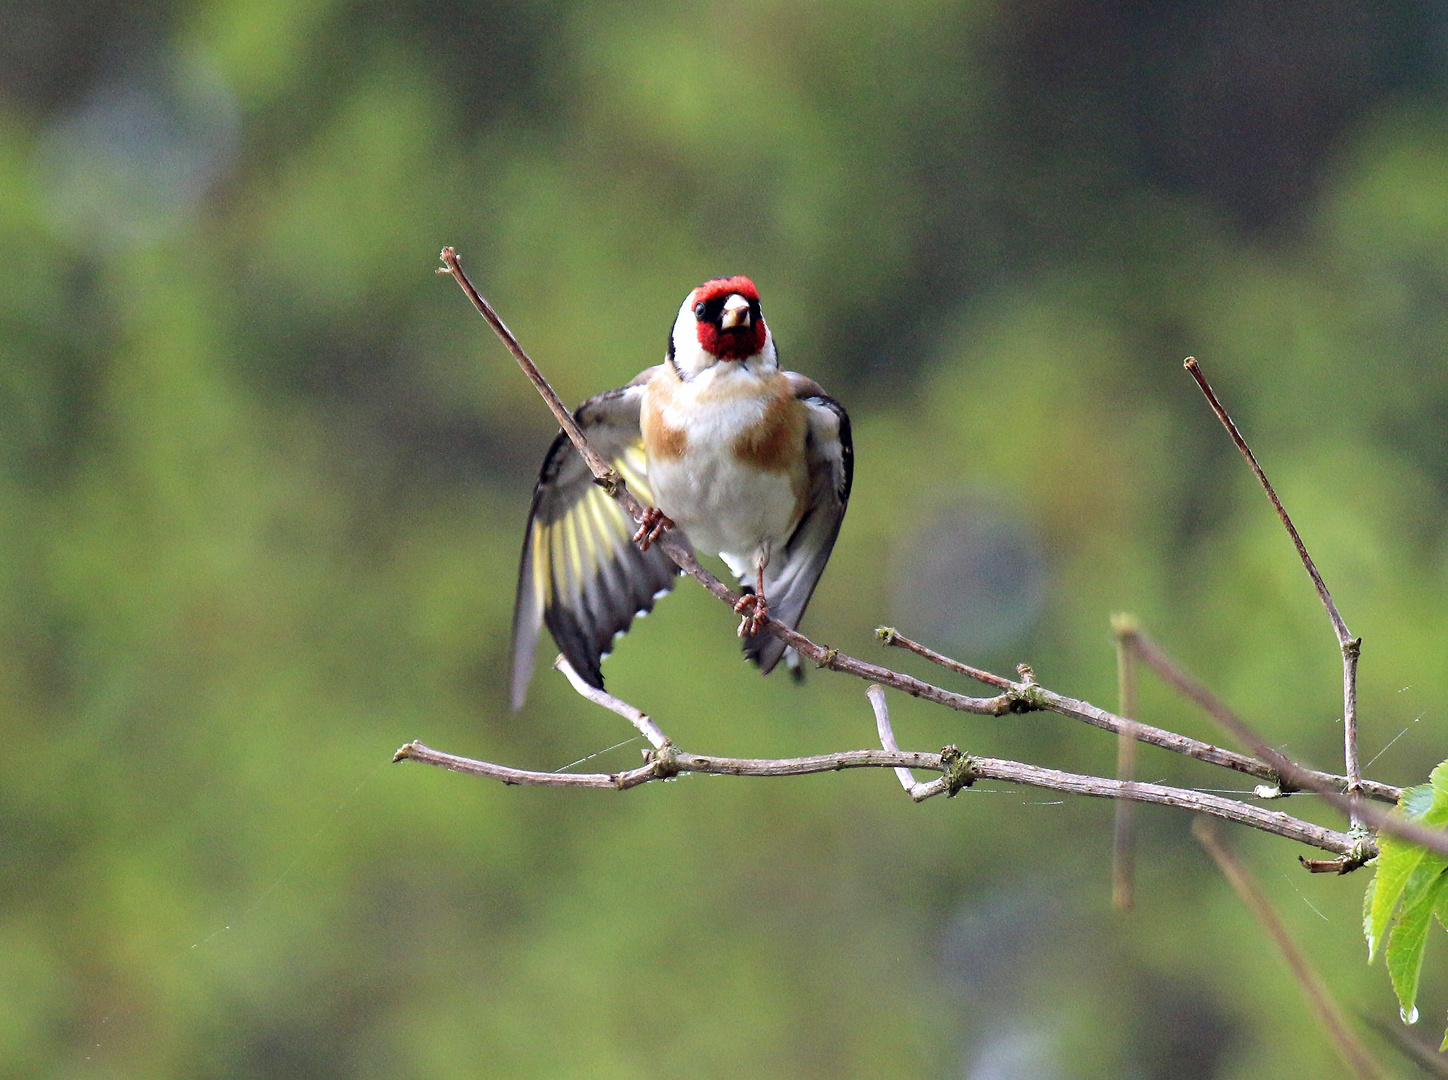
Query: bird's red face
[[730, 321]]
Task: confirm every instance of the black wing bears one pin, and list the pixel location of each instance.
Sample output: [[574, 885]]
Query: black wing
[[792, 575], [580, 572]]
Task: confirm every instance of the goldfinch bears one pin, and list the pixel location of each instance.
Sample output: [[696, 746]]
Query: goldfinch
[[751, 463]]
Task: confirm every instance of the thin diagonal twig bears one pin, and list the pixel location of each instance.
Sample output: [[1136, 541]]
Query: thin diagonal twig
[[601, 469], [1349, 646], [890, 636], [913, 788], [640, 720]]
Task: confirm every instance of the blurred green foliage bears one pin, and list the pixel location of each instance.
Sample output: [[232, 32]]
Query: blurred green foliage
[[263, 479]]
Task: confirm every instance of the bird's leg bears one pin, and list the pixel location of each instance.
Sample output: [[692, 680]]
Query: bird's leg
[[651, 525], [753, 606]]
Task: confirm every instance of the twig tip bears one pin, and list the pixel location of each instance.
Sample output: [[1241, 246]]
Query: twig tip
[[404, 752]]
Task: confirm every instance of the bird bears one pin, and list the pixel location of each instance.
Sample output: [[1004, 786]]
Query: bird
[[748, 461]]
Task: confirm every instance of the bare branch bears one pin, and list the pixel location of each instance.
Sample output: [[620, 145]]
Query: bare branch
[[416, 751], [958, 771], [890, 636], [967, 769], [646, 727], [1349, 646], [1308, 980], [600, 468], [915, 790], [1339, 627]]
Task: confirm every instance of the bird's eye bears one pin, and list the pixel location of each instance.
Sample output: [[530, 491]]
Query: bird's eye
[[699, 310]]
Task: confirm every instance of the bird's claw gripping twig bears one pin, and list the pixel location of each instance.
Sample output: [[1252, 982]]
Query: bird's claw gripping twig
[[651, 525], [755, 609]]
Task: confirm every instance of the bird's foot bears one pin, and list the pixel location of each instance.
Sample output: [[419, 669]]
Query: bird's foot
[[755, 609], [651, 525]]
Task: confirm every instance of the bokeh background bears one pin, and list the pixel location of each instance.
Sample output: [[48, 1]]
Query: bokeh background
[[263, 479]]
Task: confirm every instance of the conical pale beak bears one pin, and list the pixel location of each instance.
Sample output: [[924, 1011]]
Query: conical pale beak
[[736, 313]]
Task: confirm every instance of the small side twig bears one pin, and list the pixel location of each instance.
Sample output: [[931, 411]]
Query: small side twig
[[890, 636], [639, 719], [1349, 646], [1348, 1045], [916, 790]]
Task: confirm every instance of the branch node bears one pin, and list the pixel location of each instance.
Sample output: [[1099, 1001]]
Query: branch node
[[826, 658], [611, 482], [665, 761], [960, 770], [1351, 650], [1026, 697], [886, 634]]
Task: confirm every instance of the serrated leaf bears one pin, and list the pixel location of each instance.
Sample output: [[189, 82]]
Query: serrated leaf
[[1440, 908], [1437, 814], [1398, 860], [1417, 801], [1396, 863], [1406, 943]]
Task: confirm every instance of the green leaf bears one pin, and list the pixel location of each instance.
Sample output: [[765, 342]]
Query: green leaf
[[1406, 943], [1398, 859], [1395, 864], [1417, 802]]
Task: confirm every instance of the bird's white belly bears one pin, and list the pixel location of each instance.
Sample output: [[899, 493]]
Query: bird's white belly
[[725, 507]]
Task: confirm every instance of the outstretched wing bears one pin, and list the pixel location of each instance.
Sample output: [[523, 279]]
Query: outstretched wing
[[580, 572], [792, 574]]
